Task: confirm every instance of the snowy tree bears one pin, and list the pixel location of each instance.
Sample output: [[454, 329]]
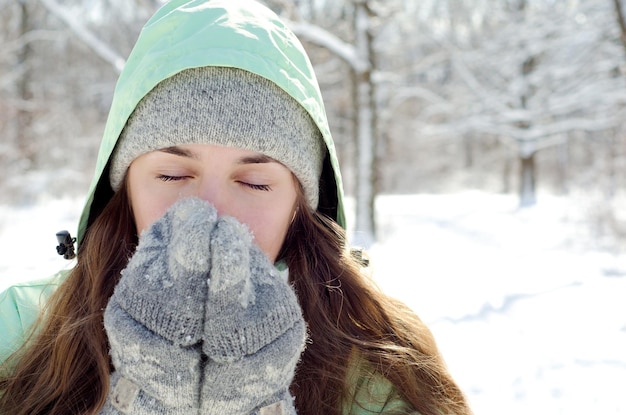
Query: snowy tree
[[530, 73], [429, 95], [544, 77], [58, 69], [99, 47], [359, 58]]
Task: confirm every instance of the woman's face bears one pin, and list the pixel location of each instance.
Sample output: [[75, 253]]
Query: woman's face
[[255, 189]]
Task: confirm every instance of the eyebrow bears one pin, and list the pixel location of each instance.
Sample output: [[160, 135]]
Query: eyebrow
[[256, 159], [177, 151], [253, 159]]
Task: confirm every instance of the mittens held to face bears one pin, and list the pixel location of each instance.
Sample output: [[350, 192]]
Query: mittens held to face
[[201, 322]]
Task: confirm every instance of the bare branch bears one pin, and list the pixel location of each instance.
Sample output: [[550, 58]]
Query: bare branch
[[26, 38], [336, 46], [99, 47]]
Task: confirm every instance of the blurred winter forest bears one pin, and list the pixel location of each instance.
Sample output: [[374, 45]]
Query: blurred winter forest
[[428, 96]]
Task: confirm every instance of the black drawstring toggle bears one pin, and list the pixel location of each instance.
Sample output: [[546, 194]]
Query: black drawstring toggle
[[66, 245]]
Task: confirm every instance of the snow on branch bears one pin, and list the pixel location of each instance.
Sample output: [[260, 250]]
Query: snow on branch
[[26, 38], [541, 132], [540, 135], [99, 47], [417, 93], [323, 38]]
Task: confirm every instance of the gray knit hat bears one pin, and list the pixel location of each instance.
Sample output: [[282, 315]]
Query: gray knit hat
[[228, 107]]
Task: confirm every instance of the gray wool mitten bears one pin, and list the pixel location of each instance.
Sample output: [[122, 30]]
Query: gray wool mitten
[[254, 332], [155, 318]]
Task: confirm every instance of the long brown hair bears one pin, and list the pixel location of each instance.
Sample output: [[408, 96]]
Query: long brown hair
[[64, 368], [352, 323]]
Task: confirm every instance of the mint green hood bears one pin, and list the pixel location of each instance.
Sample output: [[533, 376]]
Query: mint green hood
[[242, 34]]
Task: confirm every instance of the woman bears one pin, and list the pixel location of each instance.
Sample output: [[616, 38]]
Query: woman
[[217, 196]]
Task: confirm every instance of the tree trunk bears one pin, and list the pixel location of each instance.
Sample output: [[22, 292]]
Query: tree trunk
[[23, 116], [527, 181], [468, 154], [527, 150], [611, 186], [506, 174], [563, 164], [365, 143], [621, 21]]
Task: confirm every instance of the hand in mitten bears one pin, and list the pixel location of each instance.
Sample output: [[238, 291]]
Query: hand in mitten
[[254, 332], [154, 320]]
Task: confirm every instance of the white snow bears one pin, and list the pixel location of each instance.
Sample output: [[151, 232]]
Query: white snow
[[529, 316]]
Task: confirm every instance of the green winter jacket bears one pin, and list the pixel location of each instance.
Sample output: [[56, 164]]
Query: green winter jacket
[[20, 306], [250, 38]]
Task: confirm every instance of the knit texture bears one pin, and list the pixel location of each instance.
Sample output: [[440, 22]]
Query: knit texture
[[253, 331], [201, 322], [228, 107]]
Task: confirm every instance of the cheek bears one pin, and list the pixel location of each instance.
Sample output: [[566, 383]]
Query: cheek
[[270, 229], [270, 240], [147, 209]]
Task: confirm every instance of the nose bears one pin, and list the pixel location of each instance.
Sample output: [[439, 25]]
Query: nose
[[215, 192]]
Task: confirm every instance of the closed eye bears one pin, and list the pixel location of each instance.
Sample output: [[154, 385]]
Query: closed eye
[[167, 178], [262, 187]]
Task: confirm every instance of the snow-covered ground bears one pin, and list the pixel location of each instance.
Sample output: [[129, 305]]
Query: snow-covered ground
[[529, 318]]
